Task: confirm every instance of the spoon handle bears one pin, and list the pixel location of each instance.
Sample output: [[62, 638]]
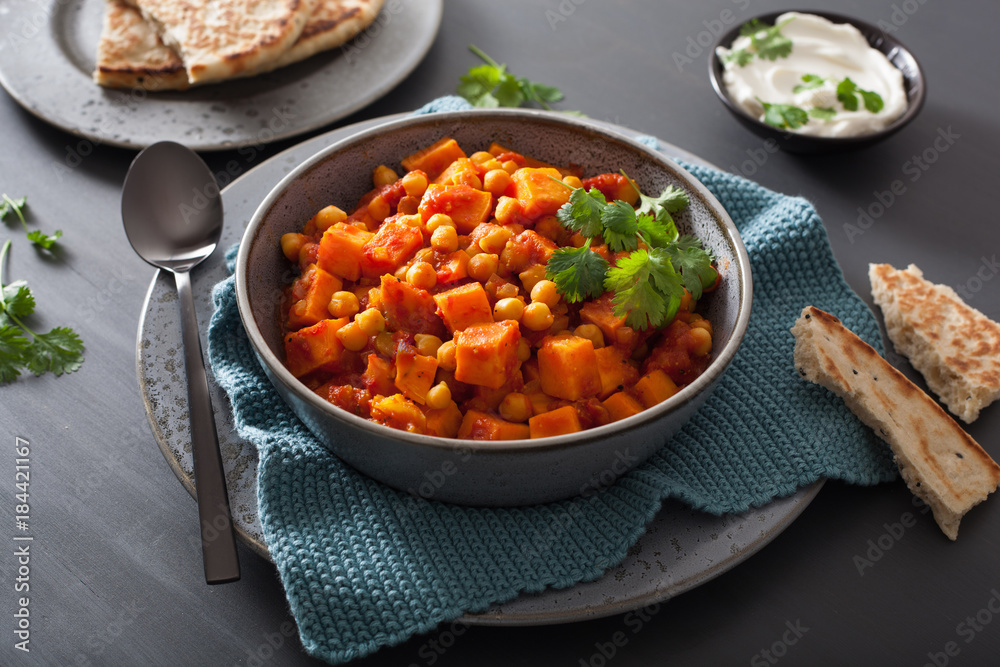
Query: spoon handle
[[217, 538]]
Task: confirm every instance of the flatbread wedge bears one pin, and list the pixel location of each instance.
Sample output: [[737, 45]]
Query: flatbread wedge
[[223, 39], [131, 54], [940, 462], [954, 346], [332, 23]]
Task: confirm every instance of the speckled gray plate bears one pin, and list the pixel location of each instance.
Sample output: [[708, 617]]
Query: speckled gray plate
[[681, 549], [49, 51]]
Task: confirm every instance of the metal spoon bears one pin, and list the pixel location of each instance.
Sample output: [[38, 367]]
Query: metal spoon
[[173, 218]]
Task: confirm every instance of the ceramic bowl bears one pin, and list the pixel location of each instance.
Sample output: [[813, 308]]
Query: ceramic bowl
[[504, 473], [898, 55]]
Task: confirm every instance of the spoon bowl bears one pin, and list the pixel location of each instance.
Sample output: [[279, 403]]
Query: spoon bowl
[[172, 213]]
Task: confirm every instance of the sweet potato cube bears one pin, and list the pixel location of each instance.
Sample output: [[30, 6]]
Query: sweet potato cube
[[455, 266], [555, 422], [478, 425], [601, 311], [467, 206], [654, 387], [621, 405], [313, 306], [616, 372], [460, 172], [538, 194], [444, 422], [408, 308], [435, 158], [399, 412], [395, 242], [378, 376], [463, 306], [486, 354], [567, 368], [340, 250], [315, 347], [415, 375]]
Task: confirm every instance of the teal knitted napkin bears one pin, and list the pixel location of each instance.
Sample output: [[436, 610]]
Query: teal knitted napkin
[[365, 566]]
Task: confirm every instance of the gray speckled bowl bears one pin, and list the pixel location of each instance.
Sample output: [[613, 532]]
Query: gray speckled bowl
[[501, 473]]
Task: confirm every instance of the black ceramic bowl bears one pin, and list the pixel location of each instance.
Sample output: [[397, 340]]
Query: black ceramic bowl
[[898, 55]]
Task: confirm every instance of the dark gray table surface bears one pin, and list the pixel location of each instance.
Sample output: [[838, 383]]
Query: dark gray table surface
[[861, 578]]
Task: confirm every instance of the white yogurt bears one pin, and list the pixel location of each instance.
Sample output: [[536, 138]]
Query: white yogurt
[[829, 50]]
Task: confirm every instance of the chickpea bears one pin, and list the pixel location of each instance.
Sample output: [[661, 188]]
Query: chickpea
[[591, 332], [352, 336], [328, 217], [482, 266], [479, 157], [508, 309], [291, 245], [495, 240], [496, 181], [516, 407], [444, 239], [415, 182], [384, 175], [537, 316], [510, 166], [438, 396], [401, 272], [545, 292], [371, 321], [427, 344], [385, 345], [507, 211], [701, 342], [446, 356], [378, 208], [438, 220], [531, 276], [344, 304], [408, 205], [573, 181], [523, 351], [701, 323], [422, 275]]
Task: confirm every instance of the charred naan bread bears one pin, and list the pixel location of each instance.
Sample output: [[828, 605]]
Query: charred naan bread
[[954, 346], [940, 462], [131, 54]]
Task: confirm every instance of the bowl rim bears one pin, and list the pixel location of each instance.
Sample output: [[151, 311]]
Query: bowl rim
[[716, 69], [278, 371]]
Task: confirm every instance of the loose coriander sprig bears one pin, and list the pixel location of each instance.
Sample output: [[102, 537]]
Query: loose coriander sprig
[[17, 206], [491, 85], [58, 351], [648, 283], [766, 42]]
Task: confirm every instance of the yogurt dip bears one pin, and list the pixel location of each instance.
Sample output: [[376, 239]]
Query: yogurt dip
[[826, 54]]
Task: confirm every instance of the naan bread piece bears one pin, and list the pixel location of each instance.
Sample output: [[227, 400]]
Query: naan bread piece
[[333, 23], [940, 462], [223, 39], [954, 346], [131, 54]]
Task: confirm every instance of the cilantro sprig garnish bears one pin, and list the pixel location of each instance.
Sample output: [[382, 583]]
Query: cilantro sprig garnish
[[784, 115], [16, 206], [58, 351], [491, 85], [793, 117], [766, 42], [847, 92], [649, 282], [809, 82]]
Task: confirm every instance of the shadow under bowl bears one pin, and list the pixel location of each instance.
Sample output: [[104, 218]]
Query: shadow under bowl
[[504, 473], [792, 142]]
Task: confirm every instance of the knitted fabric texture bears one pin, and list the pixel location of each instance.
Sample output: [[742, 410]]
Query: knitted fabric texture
[[365, 566]]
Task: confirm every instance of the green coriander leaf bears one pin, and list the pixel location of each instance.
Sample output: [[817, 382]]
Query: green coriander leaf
[[694, 262], [16, 206], [667, 281], [740, 57], [873, 101], [751, 28], [671, 200], [44, 240], [509, 93], [845, 94], [655, 232], [771, 44], [17, 300], [823, 113], [582, 213], [620, 226], [577, 272], [784, 115], [647, 290], [543, 93], [59, 351], [809, 82], [12, 347], [478, 84]]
